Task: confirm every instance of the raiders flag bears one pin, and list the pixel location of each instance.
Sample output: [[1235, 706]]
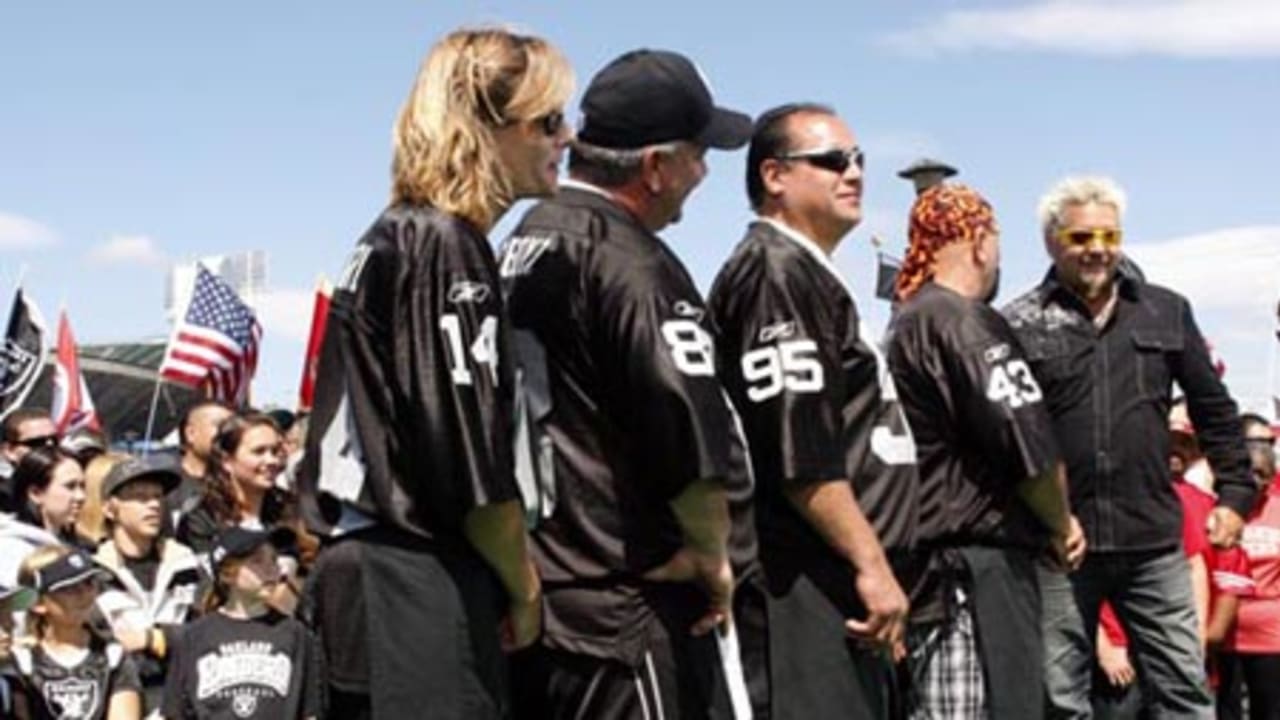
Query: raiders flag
[[21, 355]]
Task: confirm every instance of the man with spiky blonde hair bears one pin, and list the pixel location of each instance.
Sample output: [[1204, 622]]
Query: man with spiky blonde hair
[[1106, 348]]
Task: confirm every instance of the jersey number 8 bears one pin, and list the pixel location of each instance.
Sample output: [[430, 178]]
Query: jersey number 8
[[792, 365]]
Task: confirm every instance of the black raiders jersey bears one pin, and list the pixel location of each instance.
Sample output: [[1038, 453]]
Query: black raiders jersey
[[980, 423], [620, 411], [814, 394], [411, 422]]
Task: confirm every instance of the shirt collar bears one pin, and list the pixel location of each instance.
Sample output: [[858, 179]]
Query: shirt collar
[[812, 248], [585, 187]]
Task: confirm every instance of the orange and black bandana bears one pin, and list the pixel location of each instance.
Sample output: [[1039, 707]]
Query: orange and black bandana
[[941, 215]]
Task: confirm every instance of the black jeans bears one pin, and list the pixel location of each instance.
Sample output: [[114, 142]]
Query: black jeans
[[1260, 675]]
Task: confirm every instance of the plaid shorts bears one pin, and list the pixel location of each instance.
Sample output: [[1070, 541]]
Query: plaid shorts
[[946, 670]]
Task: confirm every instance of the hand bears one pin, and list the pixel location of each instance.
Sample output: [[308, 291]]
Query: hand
[[522, 625], [1115, 664], [1225, 526], [133, 640], [6, 645], [886, 608], [712, 573], [1069, 549]]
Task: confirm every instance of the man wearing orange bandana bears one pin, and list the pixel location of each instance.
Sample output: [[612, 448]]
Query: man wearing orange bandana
[[992, 488]]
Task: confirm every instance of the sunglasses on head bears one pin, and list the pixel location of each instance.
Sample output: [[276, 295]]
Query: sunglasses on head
[[1110, 237], [39, 442], [835, 159]]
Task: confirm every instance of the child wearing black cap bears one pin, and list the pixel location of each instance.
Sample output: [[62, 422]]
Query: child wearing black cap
[[71, 673], [244, 659]]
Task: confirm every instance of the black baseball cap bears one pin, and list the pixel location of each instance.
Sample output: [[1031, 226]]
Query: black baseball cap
[[67, 571], [239, 542], [131, 469], [647, 97]]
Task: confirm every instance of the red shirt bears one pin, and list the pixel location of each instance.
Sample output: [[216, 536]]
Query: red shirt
[[1257, 627]]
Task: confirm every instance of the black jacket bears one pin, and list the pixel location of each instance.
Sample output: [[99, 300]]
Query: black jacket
[[1109, 394]]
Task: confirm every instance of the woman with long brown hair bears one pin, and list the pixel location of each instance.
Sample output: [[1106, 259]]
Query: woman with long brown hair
[[240, 488], [408, 463]]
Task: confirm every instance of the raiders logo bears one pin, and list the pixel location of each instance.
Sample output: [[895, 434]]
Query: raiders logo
[[244, 704], [73, 698]]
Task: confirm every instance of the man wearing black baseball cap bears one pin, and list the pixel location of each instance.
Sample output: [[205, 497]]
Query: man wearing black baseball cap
[[619, 401]]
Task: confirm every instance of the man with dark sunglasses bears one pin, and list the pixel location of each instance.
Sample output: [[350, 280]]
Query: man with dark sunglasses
[[23, 430], [626, 448], [833, 456], [1106, 348]]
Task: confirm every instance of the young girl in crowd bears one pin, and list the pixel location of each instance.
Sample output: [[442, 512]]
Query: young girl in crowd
[[49, 493], [243, 659], [71, 673]]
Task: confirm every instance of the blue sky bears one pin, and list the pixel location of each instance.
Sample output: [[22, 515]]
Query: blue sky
[[134, 134]]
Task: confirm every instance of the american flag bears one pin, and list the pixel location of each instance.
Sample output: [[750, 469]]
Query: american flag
[[216, 343]]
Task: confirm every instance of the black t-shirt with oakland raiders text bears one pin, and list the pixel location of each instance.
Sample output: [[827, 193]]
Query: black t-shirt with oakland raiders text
[[81, 691], [980, 424], [412, 415], [814, 394], [620, 412], [223, 668]]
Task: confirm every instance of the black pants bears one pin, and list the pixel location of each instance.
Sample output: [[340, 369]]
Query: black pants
[[409, 629], [1260, 675]]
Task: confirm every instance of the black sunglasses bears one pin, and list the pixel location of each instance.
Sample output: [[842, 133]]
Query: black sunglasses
[[835, 160], [551, 123], [39, 442]]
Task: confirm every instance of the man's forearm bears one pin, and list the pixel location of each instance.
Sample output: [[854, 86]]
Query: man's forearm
[[497, 533], [1046, 495], [831, 508], [702, 510]]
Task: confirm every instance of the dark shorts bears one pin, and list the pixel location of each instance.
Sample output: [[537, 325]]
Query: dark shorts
[[412, 625]]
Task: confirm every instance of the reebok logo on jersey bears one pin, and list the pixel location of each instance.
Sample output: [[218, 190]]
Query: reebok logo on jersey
[[996, 353], [777, 331], [686, 309], [468, 291]]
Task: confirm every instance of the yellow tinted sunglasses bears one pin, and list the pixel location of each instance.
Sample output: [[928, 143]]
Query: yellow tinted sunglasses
[[1109, 237]]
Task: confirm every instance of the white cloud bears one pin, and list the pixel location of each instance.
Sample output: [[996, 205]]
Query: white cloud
[[285, 313], [1232, 278], [128, 250], [21, 233], [1230, 269], [1181, 28]]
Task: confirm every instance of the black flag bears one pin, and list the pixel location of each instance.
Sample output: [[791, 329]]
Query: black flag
[[22, 353], [886, 275]]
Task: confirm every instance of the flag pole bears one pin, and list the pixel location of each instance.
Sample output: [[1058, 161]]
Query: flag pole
[[1272, 355], [151, 415]]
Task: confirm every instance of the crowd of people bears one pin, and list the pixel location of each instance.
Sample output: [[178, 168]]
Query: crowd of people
[[555, 481]]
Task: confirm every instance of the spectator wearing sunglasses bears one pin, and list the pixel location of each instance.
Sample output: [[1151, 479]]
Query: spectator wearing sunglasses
[[833, 456], [23, 429], [1106, 348]]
